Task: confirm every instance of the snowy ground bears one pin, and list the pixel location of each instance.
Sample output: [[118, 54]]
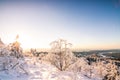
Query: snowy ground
[[37, 70]]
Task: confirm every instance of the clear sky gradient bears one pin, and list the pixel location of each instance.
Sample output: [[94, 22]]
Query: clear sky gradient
[[87, 24]]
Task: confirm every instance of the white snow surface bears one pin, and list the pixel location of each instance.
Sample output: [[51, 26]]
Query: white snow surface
[[38, 70]]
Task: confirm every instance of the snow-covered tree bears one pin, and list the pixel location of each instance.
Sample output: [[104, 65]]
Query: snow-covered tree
[[15, 48], [61, 55]]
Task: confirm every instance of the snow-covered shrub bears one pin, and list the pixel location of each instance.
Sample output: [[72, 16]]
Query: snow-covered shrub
[[106, 71], [11, 63], [60, 56], [15, 49], [4, 52], [79, 65], [33, 51]]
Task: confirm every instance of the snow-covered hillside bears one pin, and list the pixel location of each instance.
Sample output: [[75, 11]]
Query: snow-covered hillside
[[31, 68], [38, 70]]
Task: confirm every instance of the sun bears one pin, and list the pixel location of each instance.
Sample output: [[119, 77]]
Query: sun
[[26, 41], [32, 41]]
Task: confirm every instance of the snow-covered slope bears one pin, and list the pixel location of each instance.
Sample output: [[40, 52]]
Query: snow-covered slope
[[38, 70], [32, 68]]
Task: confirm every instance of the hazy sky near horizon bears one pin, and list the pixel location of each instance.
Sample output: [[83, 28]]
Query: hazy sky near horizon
[[87, 24]]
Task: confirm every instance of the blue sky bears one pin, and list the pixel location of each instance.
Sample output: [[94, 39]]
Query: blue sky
[[87, 24]]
